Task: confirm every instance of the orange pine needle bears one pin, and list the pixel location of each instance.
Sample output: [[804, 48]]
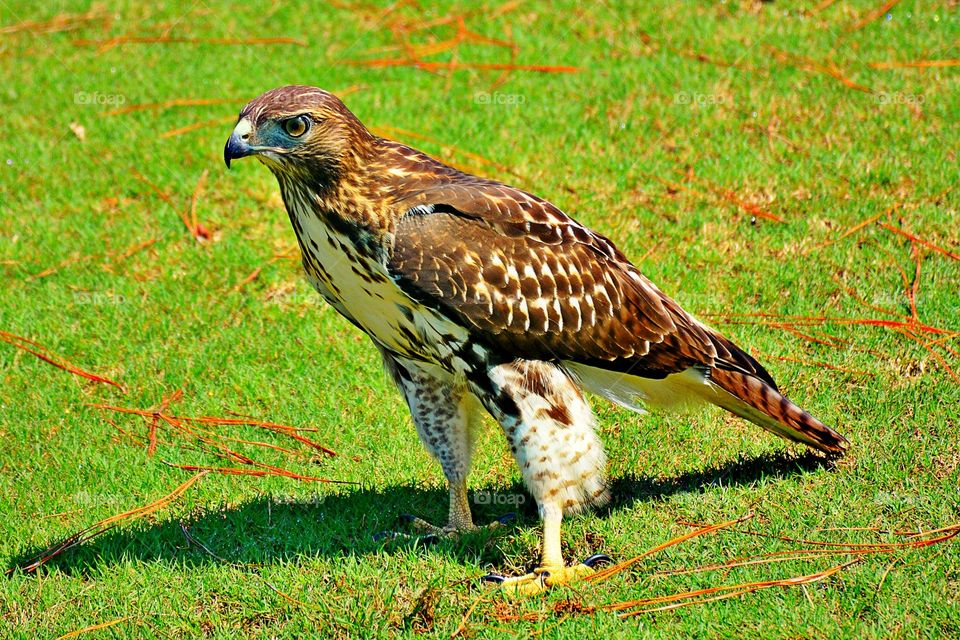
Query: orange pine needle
[[918, 240], [61, 22], [94, 627], [772, 558], [133, 249], [106, 45], [939, 358], [197, 125], [915, 285], [873, 15], [858, 549], [748, 207], [850, 291], [189, 219], [248, 279], [603, 574], [916, 64], [860, 552], [828, 341], [734, 591], [723, 193], [162, 195], [288, 597], [64, 263], [730, 196], [198, 230], [453, 66], [152, 437], [238, 471], [177, 102], [949, 532], [824, 365], [772, 320], [177, 422], [43, 353], [106, 524], [849, 232], [808, 64]]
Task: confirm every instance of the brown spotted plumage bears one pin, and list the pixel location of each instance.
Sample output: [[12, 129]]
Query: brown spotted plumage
[[477, 293]]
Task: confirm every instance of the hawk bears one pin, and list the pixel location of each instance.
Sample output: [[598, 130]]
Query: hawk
[[480, 296]]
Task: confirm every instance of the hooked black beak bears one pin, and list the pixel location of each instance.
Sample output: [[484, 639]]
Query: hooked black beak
[[238, 146]]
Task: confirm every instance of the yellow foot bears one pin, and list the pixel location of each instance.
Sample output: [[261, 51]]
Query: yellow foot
[[543, 578]]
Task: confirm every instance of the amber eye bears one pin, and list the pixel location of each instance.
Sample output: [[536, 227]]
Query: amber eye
[[296, 127]]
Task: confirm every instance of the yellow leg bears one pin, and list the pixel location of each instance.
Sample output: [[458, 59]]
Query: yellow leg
[[552, 556], [552, 570]]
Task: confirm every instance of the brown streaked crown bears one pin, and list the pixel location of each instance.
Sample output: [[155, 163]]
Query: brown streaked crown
[[335, 137], [292, 100]]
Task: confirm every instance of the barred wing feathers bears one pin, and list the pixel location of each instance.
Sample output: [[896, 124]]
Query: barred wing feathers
[[536, 284]]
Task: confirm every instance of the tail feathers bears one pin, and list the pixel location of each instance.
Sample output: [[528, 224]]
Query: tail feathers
[[740, 393], [758, 402]]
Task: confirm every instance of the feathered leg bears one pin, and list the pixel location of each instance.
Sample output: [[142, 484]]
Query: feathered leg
[[444, 414], [550, 428]]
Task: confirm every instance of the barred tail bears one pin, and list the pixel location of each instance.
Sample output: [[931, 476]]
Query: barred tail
[[757, 401]]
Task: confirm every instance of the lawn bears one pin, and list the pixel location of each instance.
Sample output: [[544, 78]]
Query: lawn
[[786, 171]]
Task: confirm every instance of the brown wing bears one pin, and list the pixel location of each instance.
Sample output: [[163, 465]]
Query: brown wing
[[537, 284]]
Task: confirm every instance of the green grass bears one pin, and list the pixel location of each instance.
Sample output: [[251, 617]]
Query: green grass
[[643, 111]]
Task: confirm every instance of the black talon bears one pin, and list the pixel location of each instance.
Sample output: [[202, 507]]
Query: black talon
[[430, 538], [598, 560], [380, 536], [507, 518], [494, 578]]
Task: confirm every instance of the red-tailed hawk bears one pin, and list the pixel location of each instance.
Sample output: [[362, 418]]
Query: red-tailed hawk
[[477, 293]]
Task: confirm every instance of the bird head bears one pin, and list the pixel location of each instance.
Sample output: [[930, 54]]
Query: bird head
[[298, 130]]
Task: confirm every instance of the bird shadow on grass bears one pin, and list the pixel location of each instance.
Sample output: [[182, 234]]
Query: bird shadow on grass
[[343, 525]]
